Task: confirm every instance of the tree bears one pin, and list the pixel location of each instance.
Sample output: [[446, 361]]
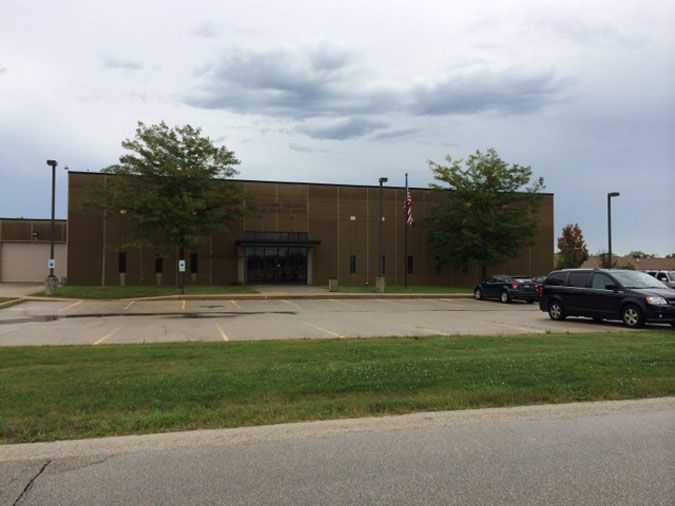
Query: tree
[[640, 255], [572, 248], [172, 182], [487, 211]]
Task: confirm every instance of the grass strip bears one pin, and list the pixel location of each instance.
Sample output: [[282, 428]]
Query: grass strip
[[402, 289], [123, 292], [51, 393], [6, 299]]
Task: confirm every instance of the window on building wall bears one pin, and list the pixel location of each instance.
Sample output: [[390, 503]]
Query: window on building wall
[[159, 265], [194, 262], [410, 265], [122, 262], [352, 264], [437, 265]]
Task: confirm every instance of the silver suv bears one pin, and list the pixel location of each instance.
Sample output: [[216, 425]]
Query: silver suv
[[665, 277]]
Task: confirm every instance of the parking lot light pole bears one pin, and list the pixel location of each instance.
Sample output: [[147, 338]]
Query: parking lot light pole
[[50, 285], [609, 223]]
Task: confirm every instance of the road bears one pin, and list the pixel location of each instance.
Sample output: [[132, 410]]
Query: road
[[91, 322], [612, 453]]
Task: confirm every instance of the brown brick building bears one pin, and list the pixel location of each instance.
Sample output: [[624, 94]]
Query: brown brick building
[[305, 233]]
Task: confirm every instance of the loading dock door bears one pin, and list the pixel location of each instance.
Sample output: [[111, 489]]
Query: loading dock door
[[26, 262]]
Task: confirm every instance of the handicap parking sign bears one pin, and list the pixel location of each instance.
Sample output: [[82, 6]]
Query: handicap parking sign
[[51, 264], [181, 265]]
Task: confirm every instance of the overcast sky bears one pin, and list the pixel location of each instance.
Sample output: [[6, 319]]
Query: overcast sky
[[348, 91]]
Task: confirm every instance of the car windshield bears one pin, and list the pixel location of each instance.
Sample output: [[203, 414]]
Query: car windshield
[[634, 279]]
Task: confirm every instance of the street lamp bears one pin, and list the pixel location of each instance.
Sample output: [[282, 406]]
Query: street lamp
[[609, 223], [50, 286]]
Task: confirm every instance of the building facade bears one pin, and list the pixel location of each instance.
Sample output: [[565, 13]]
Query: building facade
[[25, 250], [304, 233]]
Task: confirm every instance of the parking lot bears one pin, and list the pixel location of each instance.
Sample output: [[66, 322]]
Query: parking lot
[[87, 322]]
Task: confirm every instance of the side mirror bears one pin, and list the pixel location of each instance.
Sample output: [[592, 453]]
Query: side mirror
[[614, 288]]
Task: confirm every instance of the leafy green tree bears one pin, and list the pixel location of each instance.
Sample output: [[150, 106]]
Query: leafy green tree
[[487, 212], [572, 248], [172, 186], [670, 255]]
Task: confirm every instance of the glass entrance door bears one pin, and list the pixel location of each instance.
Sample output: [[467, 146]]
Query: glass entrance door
[[276, 265]]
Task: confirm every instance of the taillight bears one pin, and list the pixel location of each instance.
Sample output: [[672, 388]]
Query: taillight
[[514, 285], [541, 291]]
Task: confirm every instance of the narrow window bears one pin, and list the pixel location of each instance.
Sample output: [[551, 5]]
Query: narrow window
[[122, 262], [410, 265], [352, 264], [194, 262], [159, 265]]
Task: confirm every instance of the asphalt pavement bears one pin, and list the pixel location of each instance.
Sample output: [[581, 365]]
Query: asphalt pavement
[[601, 453], [283, 316]]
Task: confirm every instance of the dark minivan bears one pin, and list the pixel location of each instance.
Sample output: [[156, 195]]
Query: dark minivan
[[634, 297]]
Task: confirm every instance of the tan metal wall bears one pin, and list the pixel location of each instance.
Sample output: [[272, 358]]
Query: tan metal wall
[[26, 262]]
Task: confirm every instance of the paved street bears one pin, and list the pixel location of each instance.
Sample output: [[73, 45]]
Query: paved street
[[93, 322], [607, 453]]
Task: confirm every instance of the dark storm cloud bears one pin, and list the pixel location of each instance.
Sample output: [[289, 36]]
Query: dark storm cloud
[[343, 129], [115, 63], [325, 82]]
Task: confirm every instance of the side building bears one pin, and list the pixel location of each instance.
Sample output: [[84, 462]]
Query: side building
[[25, 250], [304, 233]]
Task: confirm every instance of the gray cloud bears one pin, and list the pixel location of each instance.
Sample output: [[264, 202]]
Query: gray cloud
[[3, 70], [396, 134], [325, 82], [343, 129], [207, 29], [506, 92], [115, 63]]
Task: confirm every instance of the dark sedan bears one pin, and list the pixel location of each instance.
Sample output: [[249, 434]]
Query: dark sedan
[[507, 288]]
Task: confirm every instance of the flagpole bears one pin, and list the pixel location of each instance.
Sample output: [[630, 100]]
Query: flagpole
[[405, 235]]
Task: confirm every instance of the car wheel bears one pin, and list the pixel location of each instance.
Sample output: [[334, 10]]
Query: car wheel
[[478, 294], [504, 297], [632, 316], [556, 310]]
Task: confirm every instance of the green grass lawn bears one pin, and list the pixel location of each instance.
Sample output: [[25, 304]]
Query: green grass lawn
[[410, 289], [50, 393], [122, 292]]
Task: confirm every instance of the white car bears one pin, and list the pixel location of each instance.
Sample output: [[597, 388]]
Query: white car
[[666, 277]]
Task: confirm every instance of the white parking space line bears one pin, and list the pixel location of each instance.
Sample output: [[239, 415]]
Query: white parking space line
[[434, 332], [72, 305], [9, 330], [235, 304], [129, 305], [183, 305], [291, 303], [108, 335], [222, 333], [322, 330]]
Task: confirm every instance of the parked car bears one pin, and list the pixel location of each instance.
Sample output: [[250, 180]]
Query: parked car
[[608, 294], [506, 288], [666, 277]]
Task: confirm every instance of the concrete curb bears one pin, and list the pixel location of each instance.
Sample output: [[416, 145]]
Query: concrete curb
[[11, 303]]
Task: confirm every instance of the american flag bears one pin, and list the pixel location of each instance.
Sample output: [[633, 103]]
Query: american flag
[[407, 208]]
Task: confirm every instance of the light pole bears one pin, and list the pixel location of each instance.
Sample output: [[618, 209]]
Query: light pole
[[50, 285], [609, 223], [380, 280]]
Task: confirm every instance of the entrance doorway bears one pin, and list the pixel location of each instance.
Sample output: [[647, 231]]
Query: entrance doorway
[[276, 264]]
